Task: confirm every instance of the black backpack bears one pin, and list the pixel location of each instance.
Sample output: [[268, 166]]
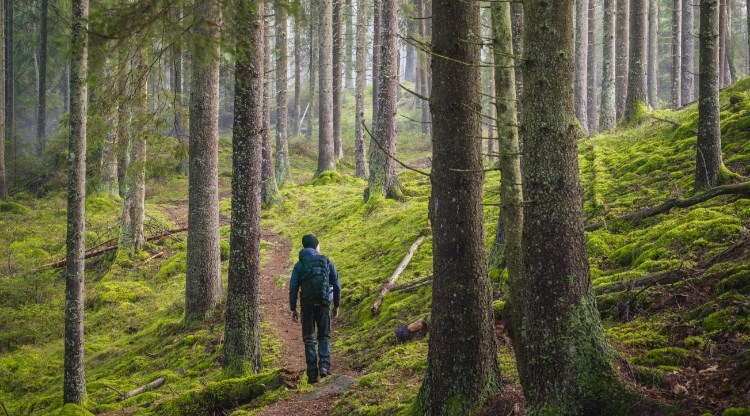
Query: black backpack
[[314, 273]]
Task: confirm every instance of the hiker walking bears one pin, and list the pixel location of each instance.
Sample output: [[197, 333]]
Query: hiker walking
[[315, 276]]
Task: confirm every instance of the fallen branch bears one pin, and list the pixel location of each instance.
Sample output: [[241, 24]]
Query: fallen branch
[[406, 332], [413, 285], [392, 280], [742, 189], [671, 276], [147, 387], [672, 122], [104, 250], [4, 409]]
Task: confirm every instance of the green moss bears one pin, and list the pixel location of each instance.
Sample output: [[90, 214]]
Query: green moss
[[326, 178], [652, 377], [174, 266], [736, 411], [696, 342], [739, 281], [668, 356], [224, 250], [13, 208], [73, 410]]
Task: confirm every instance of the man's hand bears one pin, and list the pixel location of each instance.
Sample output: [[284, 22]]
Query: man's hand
[[335, 313], [295, 316]]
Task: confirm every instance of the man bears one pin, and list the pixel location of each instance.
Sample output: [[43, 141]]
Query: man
[[315, 277]]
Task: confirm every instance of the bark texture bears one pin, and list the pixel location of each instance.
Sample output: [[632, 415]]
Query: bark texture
[[74, 381], [269, 190], [581, 72], [326, 149], [708, 163], [653, 53], [688, 53], [3, 181], [622, 48], [722, 42], [360, 154], [565, 363], [424, 69], [591, 101], [296, 102], [283, 171], [462, 367], [677, 54], [203, 290], [607, 118], [242, 348], [41, 112], [338, 150], [376, 7], [637, 71]]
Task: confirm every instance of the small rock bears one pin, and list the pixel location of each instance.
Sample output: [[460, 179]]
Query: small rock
[[679, 389], [709, 370]]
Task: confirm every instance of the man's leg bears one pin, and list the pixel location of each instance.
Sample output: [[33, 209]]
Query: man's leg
[[308, 335], [323, 321]]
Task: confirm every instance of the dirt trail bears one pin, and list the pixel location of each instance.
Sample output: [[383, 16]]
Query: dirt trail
[[275, 309]]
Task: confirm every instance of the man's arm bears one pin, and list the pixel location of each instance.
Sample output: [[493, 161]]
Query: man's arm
[[294, 288], [335, 284]]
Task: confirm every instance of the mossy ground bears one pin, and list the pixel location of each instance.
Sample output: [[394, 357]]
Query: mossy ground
[[134, 307]]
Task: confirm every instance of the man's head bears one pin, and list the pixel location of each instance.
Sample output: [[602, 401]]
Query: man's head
[[310, 241]]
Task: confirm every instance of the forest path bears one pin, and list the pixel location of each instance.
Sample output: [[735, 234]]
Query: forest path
[[274, 288]]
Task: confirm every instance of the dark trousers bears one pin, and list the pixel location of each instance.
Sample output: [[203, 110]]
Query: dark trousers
[[316, 316]]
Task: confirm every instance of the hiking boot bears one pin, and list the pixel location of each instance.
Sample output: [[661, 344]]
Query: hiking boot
[[312, 377], [324, 372]]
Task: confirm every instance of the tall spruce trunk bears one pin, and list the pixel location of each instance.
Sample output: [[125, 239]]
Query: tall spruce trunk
[[10, 79], [507, 245], [123, 124], [382, 180], [348, 20], [326, 149], [242, 347], [607, 118], [269, 189], [688, 53], [516, 21], [591, 101], [722, 42], [376, 7], [653, 53], [296, 102], [564, 361], [283, 171], [337, 47], [179, 128], [424, 70], [491, 85], [360, 153], [708, 162], [637, 71], [581, 72], [462, 366], [74, 381], [314, 63], [108, 183], [3, 182], [203, 289], [41, 112], [622, 52], [747, 7], [677, 54]]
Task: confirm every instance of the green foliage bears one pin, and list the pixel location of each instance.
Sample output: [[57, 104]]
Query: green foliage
[[736, 411], [74, 410], [13, 208], [668, 356]]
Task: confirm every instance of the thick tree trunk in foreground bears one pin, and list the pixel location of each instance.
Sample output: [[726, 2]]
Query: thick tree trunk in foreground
[[622, 52], [360, 154], [242, 347], [507, 244], [677, 54], [462, 367], [708, 163], [74, 382], [203, 289], [41, 112], [637, 73], [653, 53], [269, 190], [591, 99], [607, 117], [3, 183], [382, 181], [581, 72], [565, 363], [338, 150], [283, 171], [326, 149], [688, 53]]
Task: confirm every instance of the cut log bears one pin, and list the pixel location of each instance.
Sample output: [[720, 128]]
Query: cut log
[[406, 332], [148, 387], [741, 189], [106, 249], [392, 280]]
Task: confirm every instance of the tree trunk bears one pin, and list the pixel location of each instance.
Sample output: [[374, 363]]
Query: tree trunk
[[242, 347], [581, 72], [283, 171], [3, 183], [462, 366], [269, 189], [297, 100], [516, 21], [410, 73], [123, 126], [179, 128], [376, 5], [653, 53], [383, 181], [326, 149], [722, 42], [359, 137], [41, 114], [637, 71], [492, 105], [688, 53], [337, 46], [708, 163], [10, 77], [747, 8], [203, 289], [74, 383], [607, 117], [424, 70], [65, 88], [622, 48], [348, 44], [131, 230], [565, 363], [507, 245], [677, 54], [591, 101], [108, 184], [314, 66]]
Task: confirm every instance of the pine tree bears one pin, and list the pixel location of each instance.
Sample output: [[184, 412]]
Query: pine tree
[[688, 53], [607, 116], [326, 150], [3, 183], [581, 72], [653, 53], [283, 171], [677, 54], [637, 70], [622, 53], [360, 152], [41, 115]]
